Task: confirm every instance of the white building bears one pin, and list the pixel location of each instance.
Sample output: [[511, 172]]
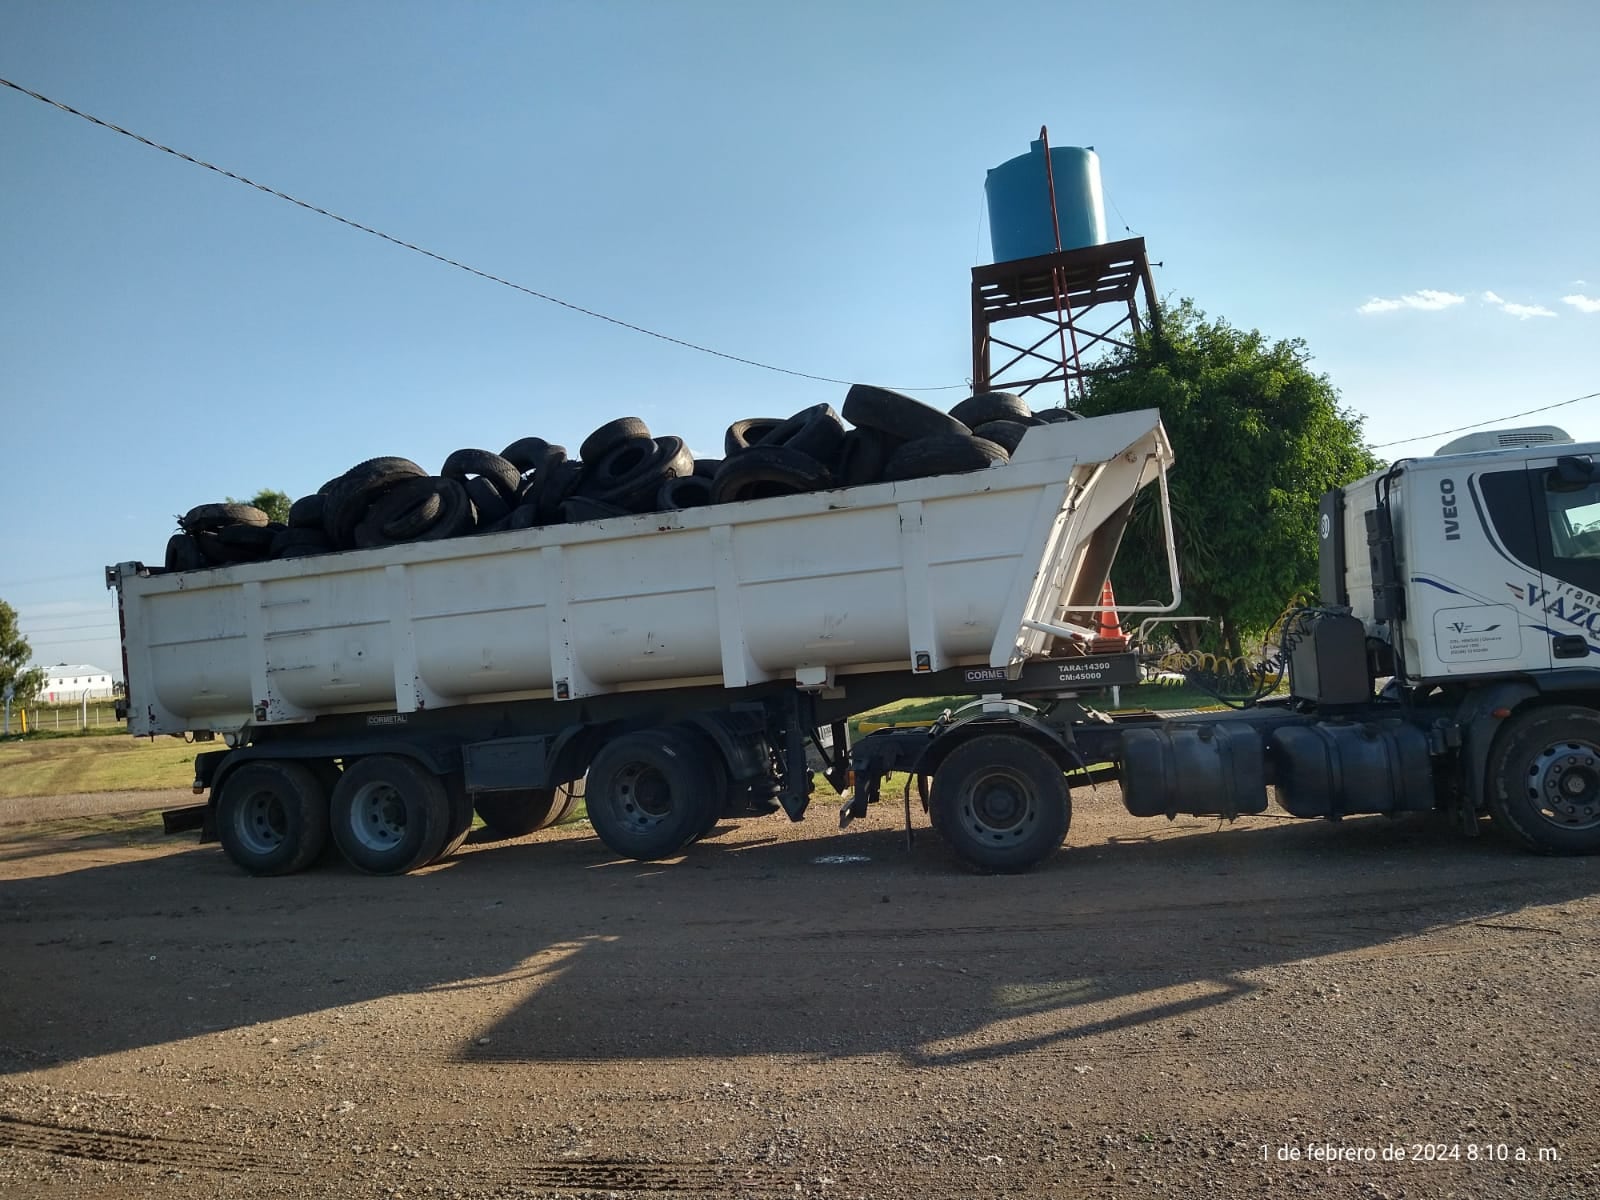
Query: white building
[[65, 683]]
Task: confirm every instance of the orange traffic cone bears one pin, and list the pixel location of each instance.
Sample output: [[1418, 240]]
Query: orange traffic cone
[[1111, 637]]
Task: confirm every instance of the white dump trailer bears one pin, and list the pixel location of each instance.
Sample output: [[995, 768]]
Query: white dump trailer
[[681, 661]]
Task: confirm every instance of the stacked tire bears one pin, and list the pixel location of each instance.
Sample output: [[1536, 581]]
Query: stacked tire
[[622, 469]]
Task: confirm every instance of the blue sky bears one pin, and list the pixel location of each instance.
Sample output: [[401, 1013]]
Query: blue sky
[[1409, 187]]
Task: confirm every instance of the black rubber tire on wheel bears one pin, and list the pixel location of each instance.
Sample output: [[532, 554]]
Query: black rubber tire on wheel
[[717, 809], [992, 406], [516, 813], [571, 795], [1001, 802], [272, 816], [1006, 434], [611, 435], [946, 455], [742, 435], [389, 814], [460, 822], [648, 792], [896, 415], [765, 471], [1543, 779]]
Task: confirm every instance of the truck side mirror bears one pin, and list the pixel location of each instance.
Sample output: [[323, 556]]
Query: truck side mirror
[[1572, 473]]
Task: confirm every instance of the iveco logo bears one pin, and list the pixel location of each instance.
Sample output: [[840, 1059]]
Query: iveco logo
[[1452, 520]]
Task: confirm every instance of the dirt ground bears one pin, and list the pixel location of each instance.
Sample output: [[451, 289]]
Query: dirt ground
[[1162, 1010]]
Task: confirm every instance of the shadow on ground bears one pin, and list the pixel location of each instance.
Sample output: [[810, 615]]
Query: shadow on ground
[[748, 945]]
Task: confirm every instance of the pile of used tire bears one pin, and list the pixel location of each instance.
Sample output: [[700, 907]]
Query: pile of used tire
[[621, 469]]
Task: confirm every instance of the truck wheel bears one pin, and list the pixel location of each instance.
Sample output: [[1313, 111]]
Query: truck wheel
[[389, 815], [523, 811], [1001, 802], [648, 793], [707, 752], [272, 817], [569, 794], [455, 787], [1543, 780]]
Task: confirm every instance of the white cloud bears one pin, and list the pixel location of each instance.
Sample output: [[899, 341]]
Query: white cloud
[[1584, 304], [1524, 311], [1427, 300], [1521, 311]]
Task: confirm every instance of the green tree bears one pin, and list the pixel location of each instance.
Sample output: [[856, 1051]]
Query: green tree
[[275, 504], [1259, 437], [14, 655]]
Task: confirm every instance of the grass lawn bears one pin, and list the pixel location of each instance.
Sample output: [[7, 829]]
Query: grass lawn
[[51, 766], [1152, 696], [58, 764]]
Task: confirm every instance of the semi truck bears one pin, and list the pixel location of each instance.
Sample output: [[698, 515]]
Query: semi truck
[[681, 665]]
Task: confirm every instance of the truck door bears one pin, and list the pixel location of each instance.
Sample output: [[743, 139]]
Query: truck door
[[1566, 501]]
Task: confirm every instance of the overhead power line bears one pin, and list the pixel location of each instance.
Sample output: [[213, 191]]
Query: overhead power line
[[1527, 412], [111, 624], [441, 258]]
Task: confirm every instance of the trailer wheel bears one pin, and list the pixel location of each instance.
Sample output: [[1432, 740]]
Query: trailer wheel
[[1543, 779], [709, 754], [516, 813], [648, 793], [571, 794], [1001, 802], [272, 817], [389, 815], [460, 822]]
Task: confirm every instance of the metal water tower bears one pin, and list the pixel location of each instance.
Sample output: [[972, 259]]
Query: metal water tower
[[1062, 295]]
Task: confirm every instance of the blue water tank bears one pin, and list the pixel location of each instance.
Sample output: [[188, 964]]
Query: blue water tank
[[1019, 202]]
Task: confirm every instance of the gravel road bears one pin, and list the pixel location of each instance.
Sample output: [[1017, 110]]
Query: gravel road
[[1163, 1010], [27, 810]]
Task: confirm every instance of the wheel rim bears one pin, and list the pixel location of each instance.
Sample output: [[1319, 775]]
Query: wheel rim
[[1564, 784], [1000, 808], [378, 816], [641, 797], [261, 822]]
